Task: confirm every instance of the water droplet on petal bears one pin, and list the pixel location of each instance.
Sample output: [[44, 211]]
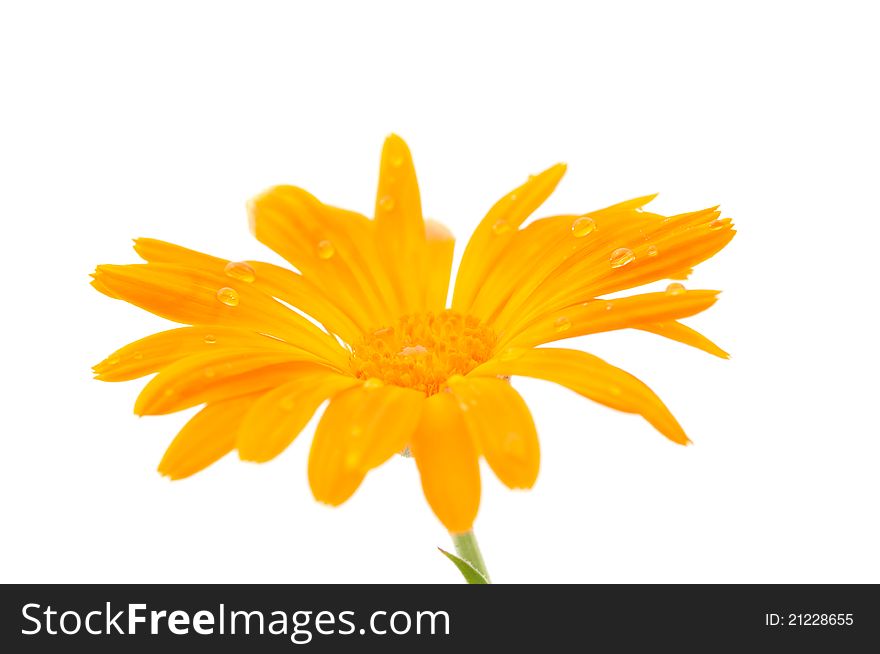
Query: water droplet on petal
[[386, 203], [621, 257], [137, 356], [510, 354], [715, 225], [240, 270], [675, 289], [562, 324], [210, 339], [396, 160], [582, 226], [287, 403], [352, 460], [325, 249], [228, 296], [513, 445], [513, 197], [112, 361], [501, 227], [609, 306], [652, 250], [373, 383]]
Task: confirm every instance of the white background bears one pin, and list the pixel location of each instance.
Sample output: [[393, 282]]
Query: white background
[[161, 119]]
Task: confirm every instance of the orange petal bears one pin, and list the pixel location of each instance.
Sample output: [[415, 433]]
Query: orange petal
[[499, 420], [495, 232], [278, 416], [400, 228], [548, 245], [207, 437], [215, 376], [438, 264], [607, 315], [273, 280], [591, 377], [198, 297], [151, 354], [448, 463], [361, 428], [684, 334], [644, 247], [333, 248]]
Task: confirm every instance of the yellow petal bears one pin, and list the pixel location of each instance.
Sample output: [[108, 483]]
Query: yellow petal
[[215, 376], [549, 244], [333, 248], [400, 228], [499, 420], [151, 354], [591, 377], [361, 428], [448, 463], [684, 334], [278, 416], [207, 437], [438, 264], [607, 315], [627, 249], [273, 280], [198, 297], [495, 232]]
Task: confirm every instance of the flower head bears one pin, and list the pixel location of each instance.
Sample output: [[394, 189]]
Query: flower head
[[401, 370]]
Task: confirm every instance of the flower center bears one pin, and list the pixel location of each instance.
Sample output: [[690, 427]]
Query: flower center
[[423, 350]]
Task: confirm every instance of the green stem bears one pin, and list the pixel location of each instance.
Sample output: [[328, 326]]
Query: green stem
[[467, 548]]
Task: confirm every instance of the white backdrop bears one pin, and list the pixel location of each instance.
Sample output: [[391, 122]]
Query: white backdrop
[[161, 119]]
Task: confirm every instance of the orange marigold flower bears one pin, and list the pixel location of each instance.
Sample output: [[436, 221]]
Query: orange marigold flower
[[401, 370]]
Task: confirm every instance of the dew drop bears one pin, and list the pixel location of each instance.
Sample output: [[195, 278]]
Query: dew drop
[[325, 249], [228, 296], [652, 250], [715, 225], [621, 257], [210, 339], [413, 350], [137, 356], [510, 354], [583, 226], [562, 324], [373, 383], [501, 227], [513, 197], [240, 270], [513, 445], [386, 203], [397, 160], [675, 289], [112, 361]]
